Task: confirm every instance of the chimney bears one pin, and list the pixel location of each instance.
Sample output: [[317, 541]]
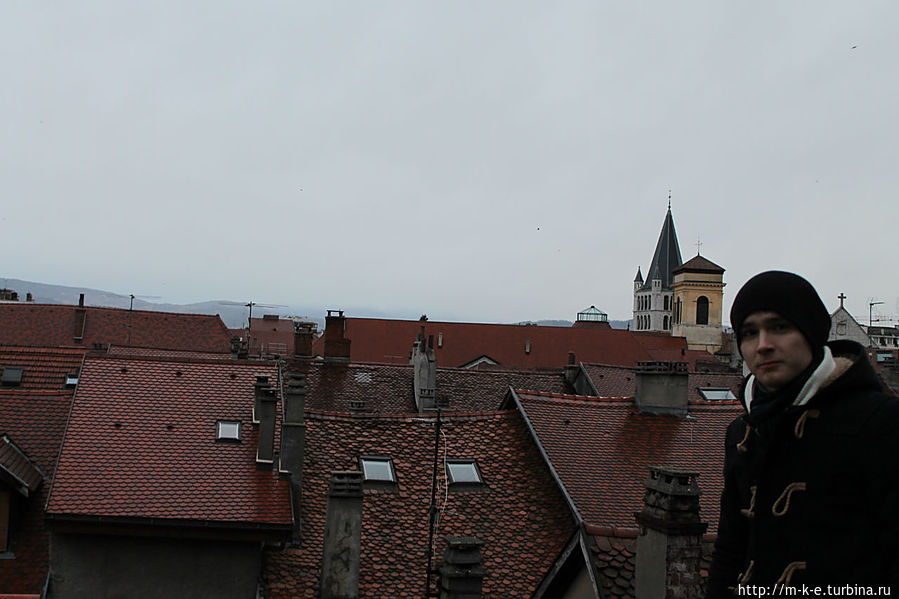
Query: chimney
[[424, 376], [461, 574], [337, 347], [266, 400], [302, 339], [343, 535], [80, 320], [259, 388], [293, 439], [669, 548], [29, 297], [662, 387]]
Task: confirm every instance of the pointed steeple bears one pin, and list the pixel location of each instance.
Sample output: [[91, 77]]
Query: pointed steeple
[[667, 255], [639, 277]]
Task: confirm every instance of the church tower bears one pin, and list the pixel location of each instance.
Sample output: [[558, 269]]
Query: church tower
[[653, 298], [698, 296]]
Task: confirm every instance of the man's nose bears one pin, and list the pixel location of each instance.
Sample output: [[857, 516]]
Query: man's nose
[[764, 341]]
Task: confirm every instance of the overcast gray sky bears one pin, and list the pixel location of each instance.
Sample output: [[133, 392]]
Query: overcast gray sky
[[483, 161]]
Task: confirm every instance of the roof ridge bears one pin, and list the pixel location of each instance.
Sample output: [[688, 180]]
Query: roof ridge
[[409, 416]]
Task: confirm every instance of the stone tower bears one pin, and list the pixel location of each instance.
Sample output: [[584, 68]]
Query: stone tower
[[653, 298], [698, 296]]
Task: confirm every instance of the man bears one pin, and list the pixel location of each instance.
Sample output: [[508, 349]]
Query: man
[[811, 475]]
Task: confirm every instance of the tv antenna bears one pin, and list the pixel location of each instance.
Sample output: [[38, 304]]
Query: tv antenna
[[250, 304]]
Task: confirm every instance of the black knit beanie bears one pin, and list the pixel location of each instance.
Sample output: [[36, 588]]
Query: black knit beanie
[[788, 295]]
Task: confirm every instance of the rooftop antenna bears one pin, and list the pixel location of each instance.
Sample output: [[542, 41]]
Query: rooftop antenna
[[871, 312], [250, 305]]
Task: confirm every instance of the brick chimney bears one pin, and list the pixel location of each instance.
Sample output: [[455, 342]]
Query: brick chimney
[[343, 535], [337, 346], [662, 387], [461, 574], [303, 336], [80, 320], [293, 439], [669, 548], [266, 400], [424, 377]]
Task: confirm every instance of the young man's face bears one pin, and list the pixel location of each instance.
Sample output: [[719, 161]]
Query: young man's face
[[774, 350]]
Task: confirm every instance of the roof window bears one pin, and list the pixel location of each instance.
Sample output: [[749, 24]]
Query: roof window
[[377, 469], [12, 377], [717, 394], [463, 472], [72, 379], [227, 430]]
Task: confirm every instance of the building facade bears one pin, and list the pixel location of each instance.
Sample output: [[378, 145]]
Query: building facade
[[698, 290]]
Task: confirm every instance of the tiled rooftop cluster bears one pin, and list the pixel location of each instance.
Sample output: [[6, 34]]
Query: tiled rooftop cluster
[[55, 325], [43, 368], [141, 443], [387, 389], [619, 381], [458, 344], [519, 513], [593, 441]]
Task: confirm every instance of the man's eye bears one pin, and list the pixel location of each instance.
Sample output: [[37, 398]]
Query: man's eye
[[750, 333]]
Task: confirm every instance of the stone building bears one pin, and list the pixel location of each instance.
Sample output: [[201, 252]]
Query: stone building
[[698, 295], [653, 297]]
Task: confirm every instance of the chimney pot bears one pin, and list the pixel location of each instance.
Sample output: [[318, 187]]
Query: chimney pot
[[81, 300], [669, 548], [461, 574], [343, 535]]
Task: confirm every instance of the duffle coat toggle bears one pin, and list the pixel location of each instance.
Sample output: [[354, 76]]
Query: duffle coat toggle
[[799, 430], [785, 498]]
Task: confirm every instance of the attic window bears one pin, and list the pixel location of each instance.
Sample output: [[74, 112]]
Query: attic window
[[12, 377], [72, 380], [377, 469], [227, 430], [463, 472], [717, 394]]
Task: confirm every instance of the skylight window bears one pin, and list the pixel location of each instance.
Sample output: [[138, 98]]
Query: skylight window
[[227, 430], [717, 394], [377, 469], [71, 380], [12, 377], [463, 472]]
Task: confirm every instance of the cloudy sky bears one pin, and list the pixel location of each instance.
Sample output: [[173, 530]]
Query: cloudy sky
[[482, 161]]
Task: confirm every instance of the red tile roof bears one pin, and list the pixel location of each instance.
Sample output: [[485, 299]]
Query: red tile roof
[[387, 389], [35, 421], [617, 381], [141, 444], [54, 325], [601, 448], [516, 346], [43, 368], [520, 515]]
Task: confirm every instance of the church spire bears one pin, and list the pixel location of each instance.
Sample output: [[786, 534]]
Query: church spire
[[667, 255]]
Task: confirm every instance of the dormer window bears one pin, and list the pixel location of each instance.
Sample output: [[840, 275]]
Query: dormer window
[[227, 430], [12, 377], [377, 469], [463, 473], [717, 394]]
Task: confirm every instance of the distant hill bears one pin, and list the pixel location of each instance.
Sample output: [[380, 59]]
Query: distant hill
[[234, 316]]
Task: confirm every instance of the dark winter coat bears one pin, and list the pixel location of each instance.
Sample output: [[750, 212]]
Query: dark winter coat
[[811, 495]]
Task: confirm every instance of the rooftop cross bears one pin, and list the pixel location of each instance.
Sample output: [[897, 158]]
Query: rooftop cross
[[698, 244], [841, 297]]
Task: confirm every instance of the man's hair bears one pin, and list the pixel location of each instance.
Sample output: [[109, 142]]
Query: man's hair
[[789, 296]]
